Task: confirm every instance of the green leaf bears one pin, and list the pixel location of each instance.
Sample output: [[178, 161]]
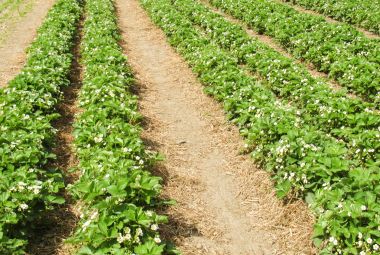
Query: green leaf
[[283, 188]]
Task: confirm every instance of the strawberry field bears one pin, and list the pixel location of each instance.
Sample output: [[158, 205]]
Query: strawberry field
[[318, 136]]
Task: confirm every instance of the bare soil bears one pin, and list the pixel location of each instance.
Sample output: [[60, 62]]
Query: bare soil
[[225, 204], [19, 34]]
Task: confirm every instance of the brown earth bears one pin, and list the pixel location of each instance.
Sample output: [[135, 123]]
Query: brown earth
[[17, 33], [225, 204]]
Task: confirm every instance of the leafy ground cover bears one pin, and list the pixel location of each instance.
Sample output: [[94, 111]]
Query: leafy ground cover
[[339, 50], [13, 10], [333, 112], [364, 13], [117, 192], [8, 4], [302, 158], [27, 186]]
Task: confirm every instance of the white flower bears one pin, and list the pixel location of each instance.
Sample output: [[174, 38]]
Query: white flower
[[21, 186], [98, 139], [154, 227], [157, 239], [139, 232], [94, 215], [360, 243], [122, 239], [333, 240], [86, 224], [363, 208], [36, 189], [24, 206], [369, 240], [376, 247], [127, 237], [362, 253], [137, 240], [360, 235], [149, 213]]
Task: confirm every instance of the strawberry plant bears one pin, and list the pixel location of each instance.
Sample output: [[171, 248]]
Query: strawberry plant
[[28, 186], [117, 192], [363, 13], [339, 50], [303, 158], [333, 112]]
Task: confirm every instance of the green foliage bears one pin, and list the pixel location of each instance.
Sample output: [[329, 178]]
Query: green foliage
[[319, 105], [118, 193], [307, 154], [339, 50], [27, 108], [364, 13]]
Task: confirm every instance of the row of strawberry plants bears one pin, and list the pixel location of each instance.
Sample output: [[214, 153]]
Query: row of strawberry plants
[[117, 192], [8, 5], [334, 113], [28, 186], [13, 9], [339, 50], [364, 13], [342, 193]]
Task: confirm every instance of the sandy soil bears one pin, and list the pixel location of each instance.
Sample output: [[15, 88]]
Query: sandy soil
[[225, 205], [18, 36]]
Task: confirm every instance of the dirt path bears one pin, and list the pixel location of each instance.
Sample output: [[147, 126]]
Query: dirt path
[[224, 204], [18, 36]]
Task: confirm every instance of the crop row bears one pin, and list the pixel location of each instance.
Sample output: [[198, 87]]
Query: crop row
[[7, 6], [118, 194], [301, 157], [13, 10], [334, 113], [339, 50], [27, 108], [364, 13]]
